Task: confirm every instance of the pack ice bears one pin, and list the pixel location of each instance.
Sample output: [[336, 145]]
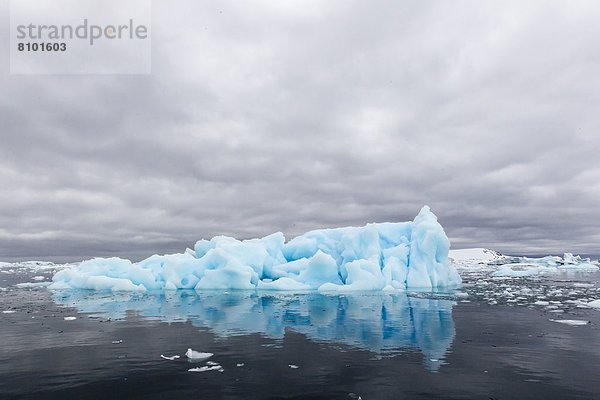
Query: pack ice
[[378, 256]]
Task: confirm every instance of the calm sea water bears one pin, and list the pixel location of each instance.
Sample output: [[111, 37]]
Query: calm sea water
[[292, 346]]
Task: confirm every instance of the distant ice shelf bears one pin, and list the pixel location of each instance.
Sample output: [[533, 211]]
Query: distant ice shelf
[[375, 257], [516, 266]]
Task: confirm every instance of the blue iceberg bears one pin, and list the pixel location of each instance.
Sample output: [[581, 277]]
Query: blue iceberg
[[375, 257]]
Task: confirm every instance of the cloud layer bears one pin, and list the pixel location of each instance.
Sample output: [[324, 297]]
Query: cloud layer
[[288, 116]]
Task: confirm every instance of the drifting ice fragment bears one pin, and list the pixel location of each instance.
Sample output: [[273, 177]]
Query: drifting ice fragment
[[207, 368], [572, 322], [8, 312], [171, 358], [70, 318], [197, 356], [32, 285], [292, 366], [380, 256], [594, 304]]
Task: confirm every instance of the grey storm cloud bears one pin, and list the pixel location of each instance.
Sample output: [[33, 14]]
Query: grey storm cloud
[[289, 116]]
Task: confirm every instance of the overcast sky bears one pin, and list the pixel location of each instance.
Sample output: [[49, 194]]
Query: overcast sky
[[266, 116]]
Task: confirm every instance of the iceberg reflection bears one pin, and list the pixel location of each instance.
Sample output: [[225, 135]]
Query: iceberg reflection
[[384, 324]]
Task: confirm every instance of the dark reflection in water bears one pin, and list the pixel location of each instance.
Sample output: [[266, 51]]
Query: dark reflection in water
[[369, 345], [384, 324]]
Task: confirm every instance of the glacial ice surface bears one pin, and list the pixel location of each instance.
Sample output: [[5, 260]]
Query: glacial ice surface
[[378, 256]]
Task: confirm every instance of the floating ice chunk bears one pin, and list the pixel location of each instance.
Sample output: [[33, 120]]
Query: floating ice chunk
[[240, 364], [594, 304], [541, 303], [569, 258], [8, 312], [170, 358], [32, 285], [520, 270], [70, 318], [292, 366], [197, 356], [572, 322], [372, 257], [38, 278], [207, 368]]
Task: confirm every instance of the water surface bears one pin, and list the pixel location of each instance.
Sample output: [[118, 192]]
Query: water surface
[[376, 346]]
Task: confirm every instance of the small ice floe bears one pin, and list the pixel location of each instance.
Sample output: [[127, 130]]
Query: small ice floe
[[572, 322], [239, 364], [207, 368], [541, 303], [8, 312], [197, 356], [292, 366], [212, 363], [583, 285], [32, 285], [594, 304], [70, 318], [38, 278], [117, 341], [170, 358]]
